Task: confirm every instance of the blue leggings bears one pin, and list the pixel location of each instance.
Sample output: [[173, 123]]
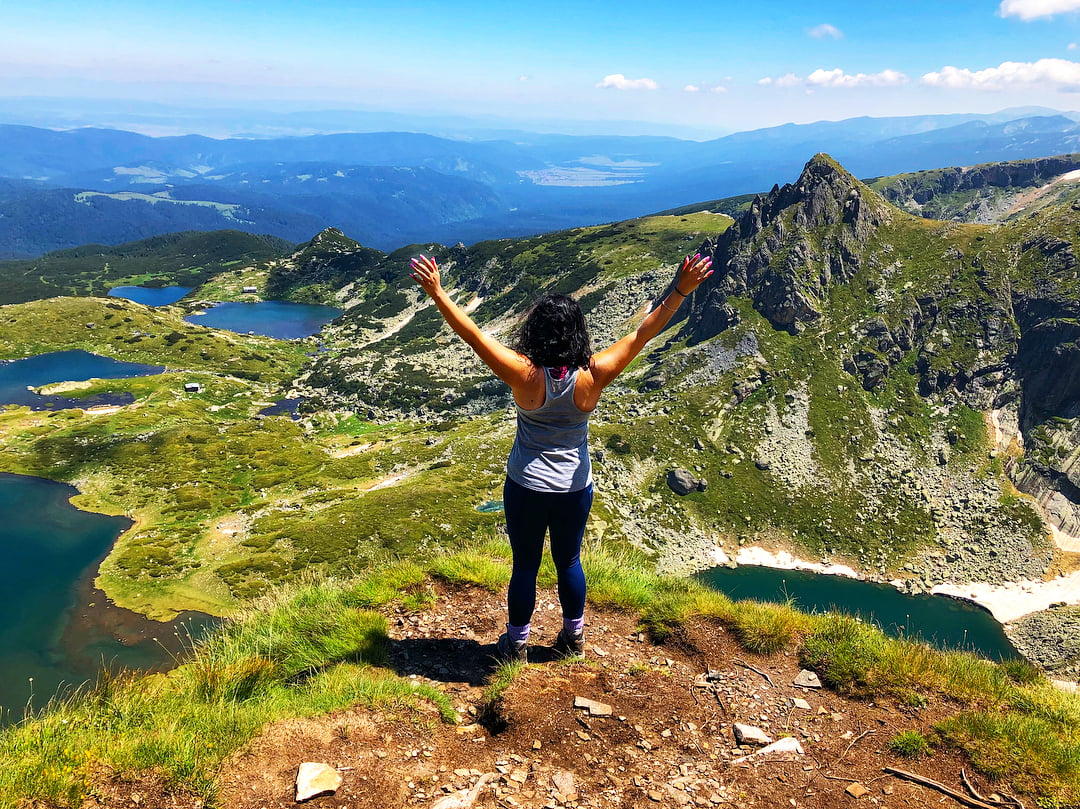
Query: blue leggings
[[529, 515]]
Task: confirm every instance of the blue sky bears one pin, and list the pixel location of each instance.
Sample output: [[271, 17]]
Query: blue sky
[[709, 65]]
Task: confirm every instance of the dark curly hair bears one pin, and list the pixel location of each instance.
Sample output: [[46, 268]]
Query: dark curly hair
[[554, 333]]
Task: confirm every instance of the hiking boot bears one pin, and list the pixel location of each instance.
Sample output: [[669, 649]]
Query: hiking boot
[[567, 645], [511, 652]]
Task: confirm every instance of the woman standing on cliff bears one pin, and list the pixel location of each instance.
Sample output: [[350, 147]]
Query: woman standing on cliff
[[556, 382]]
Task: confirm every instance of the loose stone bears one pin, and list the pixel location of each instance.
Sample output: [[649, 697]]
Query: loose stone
[[314, 779]]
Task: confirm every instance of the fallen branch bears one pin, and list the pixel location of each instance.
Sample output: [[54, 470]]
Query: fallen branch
[[922, 780], [853, 741], [721, 703], [756, 670], [1009, 800]]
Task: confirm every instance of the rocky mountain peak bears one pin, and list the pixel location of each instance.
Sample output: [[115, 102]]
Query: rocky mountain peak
[[330, 239], [789, 246], [331, 258]]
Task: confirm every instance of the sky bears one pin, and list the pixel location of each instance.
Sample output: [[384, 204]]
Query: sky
[[712, 66]]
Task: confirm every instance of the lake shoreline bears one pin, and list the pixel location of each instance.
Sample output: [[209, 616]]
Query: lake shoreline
[[75, 631], [1007, 603]]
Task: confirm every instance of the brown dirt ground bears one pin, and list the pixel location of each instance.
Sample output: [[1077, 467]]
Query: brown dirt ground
[[669, 743]]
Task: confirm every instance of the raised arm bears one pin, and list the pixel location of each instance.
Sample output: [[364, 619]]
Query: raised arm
[[611, 362], [511, 367]]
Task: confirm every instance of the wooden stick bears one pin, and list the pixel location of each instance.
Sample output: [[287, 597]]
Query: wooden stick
[[1008, 799], [922, 780], [756, 670], [853, 741], [721, 703], [970, 787]]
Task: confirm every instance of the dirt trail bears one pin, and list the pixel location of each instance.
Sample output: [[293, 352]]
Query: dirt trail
[[669, 741]]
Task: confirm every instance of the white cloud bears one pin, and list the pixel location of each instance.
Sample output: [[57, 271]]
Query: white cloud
[[1033, 9], [697, 88], [826, 31], [523, 78], [1072, 46], [838, 78], [619, 82], [1059, 73]]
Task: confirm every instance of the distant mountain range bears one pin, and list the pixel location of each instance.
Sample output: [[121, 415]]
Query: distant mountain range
[[64, 188]]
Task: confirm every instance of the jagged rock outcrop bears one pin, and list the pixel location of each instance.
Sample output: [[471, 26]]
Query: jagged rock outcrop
[[788, 248], [989, 318]]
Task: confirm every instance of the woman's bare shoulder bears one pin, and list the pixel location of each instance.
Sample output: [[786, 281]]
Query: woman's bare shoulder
[[586, 390]]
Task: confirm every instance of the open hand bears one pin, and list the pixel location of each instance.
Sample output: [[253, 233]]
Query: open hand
[[426, 274], [693, 270]]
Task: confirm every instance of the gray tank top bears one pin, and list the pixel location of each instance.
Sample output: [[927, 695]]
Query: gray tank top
[[551, 449]]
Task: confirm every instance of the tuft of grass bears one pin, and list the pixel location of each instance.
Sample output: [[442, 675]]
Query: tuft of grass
[[767, 628], [394, 579], [300, 630], [469, 567], [909, 744], [501, 679], [844, 651]]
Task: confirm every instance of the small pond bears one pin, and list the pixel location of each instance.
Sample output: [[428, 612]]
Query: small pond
[[65, 366], [281, 319], [283, 407], [944, 622], [151, 296], [56, 629]]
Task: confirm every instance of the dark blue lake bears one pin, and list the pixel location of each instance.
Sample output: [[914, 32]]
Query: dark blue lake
[[281, 319], [65, 366], [941, 621], [55, 627], [151, 296], [284, 407]]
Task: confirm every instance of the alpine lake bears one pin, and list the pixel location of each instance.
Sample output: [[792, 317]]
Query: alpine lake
[[944, 622], [57, 631], [283, 320], [150, 296]]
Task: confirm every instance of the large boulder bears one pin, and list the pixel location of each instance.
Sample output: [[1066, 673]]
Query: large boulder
[[683, 482]]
